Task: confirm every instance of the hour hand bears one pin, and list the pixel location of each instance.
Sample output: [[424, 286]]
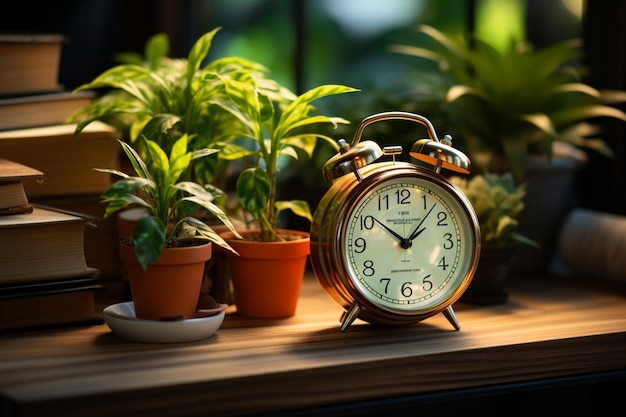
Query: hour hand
[[417, 230], [392, 232], [416, 233]]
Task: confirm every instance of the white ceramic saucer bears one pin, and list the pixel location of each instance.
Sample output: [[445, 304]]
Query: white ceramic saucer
[[122, 321]]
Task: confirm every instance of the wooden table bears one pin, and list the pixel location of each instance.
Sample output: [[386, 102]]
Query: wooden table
[[550, 329]]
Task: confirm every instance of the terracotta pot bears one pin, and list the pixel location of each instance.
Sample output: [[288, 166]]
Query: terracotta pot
[[267, 276], [487, 286], [169, 288]]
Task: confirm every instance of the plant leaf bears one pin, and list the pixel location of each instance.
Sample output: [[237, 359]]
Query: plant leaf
[[298, 207], [157, 47], [149, 240], [126, 186], [205, 232], [199, 52], [253, 190]]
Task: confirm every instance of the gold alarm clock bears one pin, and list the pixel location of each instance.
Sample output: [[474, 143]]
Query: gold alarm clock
[[394, 242]]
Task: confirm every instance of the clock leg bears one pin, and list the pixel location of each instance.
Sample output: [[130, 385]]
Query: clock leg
[[449, 313], [348, 317]]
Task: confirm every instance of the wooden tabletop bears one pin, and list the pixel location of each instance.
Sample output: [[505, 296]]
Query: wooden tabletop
[[549, 328]]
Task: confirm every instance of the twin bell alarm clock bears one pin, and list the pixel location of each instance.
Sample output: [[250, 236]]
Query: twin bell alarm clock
[[393, 242]]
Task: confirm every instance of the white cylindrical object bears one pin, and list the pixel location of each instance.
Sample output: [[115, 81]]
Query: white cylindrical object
[[593, 243]]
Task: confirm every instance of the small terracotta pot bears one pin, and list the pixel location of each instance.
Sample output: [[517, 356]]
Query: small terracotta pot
[[169, 288], [267, 276]]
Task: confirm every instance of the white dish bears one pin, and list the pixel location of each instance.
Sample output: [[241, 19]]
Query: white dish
[[122, 321]]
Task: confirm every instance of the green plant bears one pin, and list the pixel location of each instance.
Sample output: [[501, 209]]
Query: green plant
[[275, 127], [162, 98], [171, 202], [498, 202], [512, 104], [229, 104]]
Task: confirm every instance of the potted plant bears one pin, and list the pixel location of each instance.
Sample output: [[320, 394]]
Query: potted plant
[[525, 111], [276, 127], [162, 98], [513, 104], [498, 202], [170, 230], [219, 105]]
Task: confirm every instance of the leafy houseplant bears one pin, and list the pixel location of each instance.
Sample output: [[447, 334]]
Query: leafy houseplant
[[170, 202], [517, 103], [229, 104], [162, 98], [498, 202], [169, 229], [275, 129]]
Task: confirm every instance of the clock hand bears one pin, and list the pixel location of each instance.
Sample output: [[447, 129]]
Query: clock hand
[[417, 230], [405, 243], [397, 236]]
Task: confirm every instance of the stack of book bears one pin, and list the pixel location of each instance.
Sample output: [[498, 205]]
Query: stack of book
[[44, 276], [35, 131]]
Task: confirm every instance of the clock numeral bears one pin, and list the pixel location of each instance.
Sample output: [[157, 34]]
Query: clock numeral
[[407, 289], [427, 284], [359, 245], [368, 268], [442, 263], [448, 244], [442, 217], [403, 196], [386, 282], [383, 201], [424, 201], [366, 222]]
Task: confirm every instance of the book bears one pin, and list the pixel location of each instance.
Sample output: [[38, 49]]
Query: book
[[13, 198], [30, 62], [101, 243], [41, 109], [46, 244], [67, 302], [67, 161]]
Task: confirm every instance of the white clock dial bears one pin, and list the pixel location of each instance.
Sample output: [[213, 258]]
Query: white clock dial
[[408, 244]]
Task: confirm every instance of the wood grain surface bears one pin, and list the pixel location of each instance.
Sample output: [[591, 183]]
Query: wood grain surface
[[549, 328]]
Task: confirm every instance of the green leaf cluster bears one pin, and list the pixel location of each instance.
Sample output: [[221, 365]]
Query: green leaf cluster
[[514, 103], [230, 104], [275, 126], [172, 204], [498, 202], [162, 98]]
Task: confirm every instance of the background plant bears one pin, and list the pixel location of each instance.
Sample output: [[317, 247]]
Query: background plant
[[498, 202], [517, 102]]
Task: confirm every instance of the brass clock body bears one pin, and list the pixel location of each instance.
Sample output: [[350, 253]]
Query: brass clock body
[[391, 242]]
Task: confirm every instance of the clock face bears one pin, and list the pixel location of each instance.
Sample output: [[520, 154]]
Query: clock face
[[408, 244]]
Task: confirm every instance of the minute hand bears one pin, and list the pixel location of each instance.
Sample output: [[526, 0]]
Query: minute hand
[[417, 230]]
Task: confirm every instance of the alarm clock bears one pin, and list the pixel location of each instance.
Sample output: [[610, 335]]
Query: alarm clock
[[394, 242]]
